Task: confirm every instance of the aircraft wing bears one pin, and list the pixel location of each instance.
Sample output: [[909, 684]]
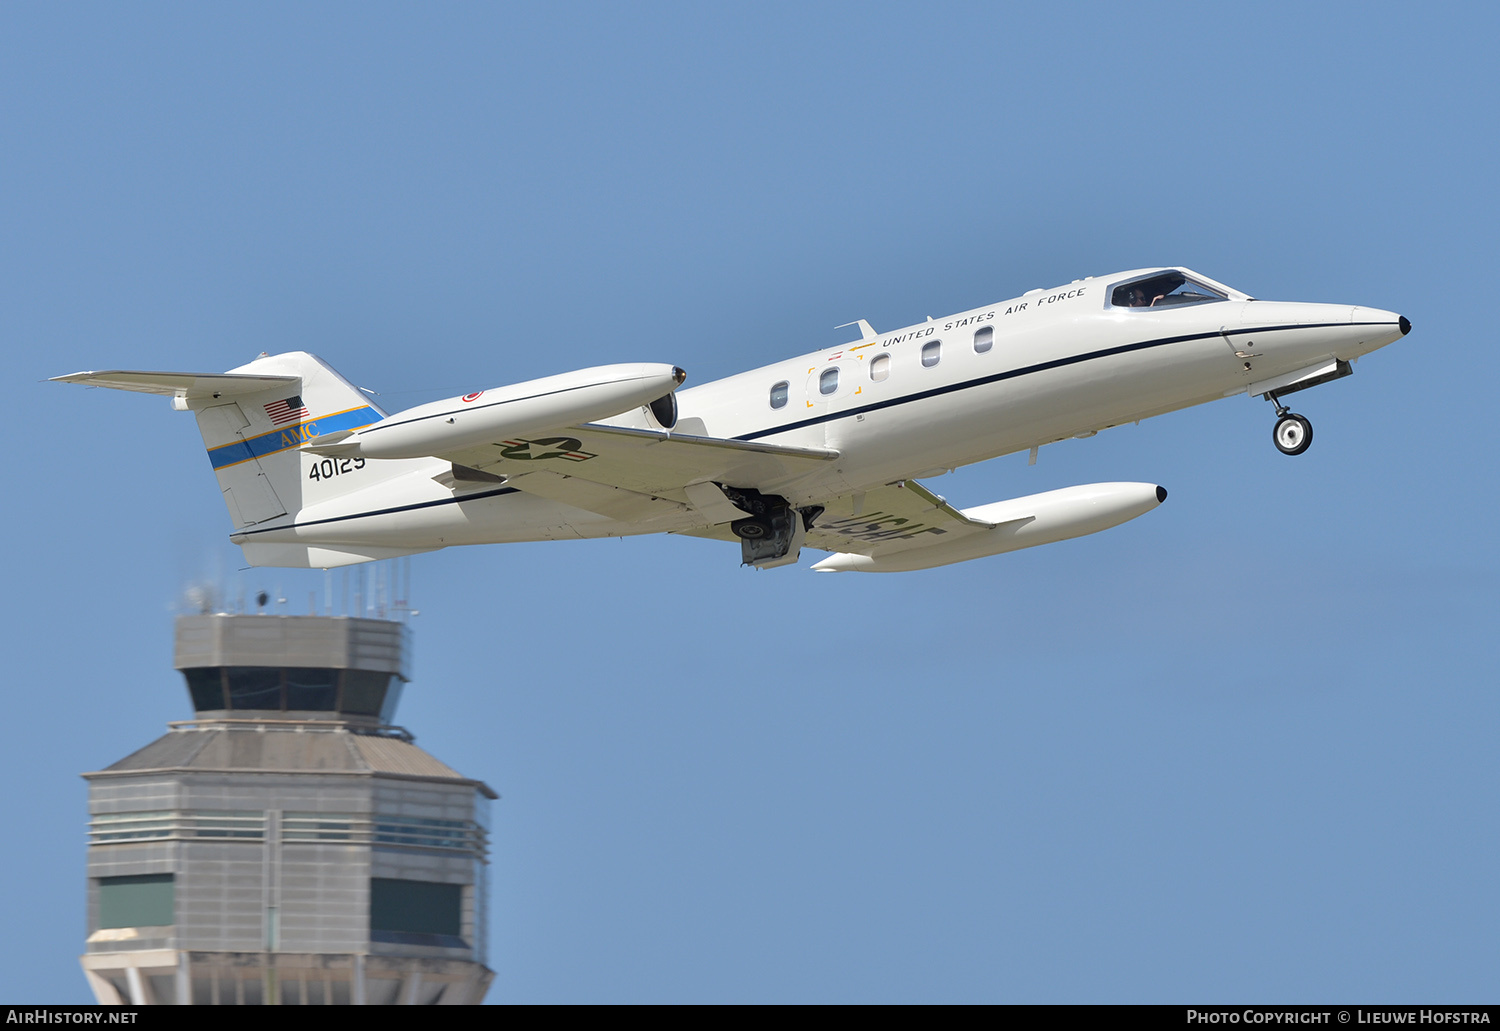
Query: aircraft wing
[[897, 517], [889, 519], [638, 474]]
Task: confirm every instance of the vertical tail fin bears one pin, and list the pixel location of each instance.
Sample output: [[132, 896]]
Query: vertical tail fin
[[255, 420], [253, 438]]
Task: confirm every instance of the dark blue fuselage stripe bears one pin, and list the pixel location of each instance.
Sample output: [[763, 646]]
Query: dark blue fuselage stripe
[[1056, 363], [386, 511]]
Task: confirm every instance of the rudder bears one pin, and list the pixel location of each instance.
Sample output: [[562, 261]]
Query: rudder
[[253, 439]]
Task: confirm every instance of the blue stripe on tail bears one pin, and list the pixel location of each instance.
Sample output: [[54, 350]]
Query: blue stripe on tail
[[291, 436]]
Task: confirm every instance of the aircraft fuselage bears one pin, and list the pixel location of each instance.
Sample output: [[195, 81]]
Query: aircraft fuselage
[[913, 402]]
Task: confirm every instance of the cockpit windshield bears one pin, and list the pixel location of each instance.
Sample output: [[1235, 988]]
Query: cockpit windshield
[[1164, 290]]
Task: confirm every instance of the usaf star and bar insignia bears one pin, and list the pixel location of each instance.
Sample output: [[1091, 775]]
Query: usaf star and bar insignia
[[566, 448]]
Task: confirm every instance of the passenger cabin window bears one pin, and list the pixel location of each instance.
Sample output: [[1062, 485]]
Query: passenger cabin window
[[828, 383], [932, 353], [778, 395], [984, 339], [1164, 290], [880, 367]]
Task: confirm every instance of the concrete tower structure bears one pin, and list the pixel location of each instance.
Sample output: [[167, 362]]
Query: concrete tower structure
[[288, 845]]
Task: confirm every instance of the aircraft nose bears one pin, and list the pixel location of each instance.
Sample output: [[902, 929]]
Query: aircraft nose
[[1378, 316], [1373, 328]]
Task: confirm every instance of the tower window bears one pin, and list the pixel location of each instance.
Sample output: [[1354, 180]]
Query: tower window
[[143, 900], [206, 686], [314, 689], [364, 692], [416, 912], [254, 687], [265, 688]]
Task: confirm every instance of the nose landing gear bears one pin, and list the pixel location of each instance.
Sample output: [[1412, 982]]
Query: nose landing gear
[[1292, 432]]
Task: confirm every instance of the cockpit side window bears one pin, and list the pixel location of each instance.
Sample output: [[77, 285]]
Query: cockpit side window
[[1164, 290]]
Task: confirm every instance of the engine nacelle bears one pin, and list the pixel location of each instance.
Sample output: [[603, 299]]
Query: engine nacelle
[[550, 403], [1055, 515]]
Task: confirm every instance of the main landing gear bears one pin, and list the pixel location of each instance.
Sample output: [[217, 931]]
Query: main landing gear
[[772, 531], [1292, 433]]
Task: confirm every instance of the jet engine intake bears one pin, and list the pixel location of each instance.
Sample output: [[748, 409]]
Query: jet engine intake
[[664, 411]]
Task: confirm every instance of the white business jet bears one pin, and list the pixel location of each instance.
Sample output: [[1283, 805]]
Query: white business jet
[[823, 450]]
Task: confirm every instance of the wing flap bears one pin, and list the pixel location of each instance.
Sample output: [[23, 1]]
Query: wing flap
[[890, 519], [602, 499], [654, 463]]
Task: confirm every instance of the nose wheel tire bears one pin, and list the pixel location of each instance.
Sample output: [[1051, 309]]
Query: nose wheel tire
[[1293, 434]]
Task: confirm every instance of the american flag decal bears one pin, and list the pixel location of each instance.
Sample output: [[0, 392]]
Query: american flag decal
[[290, 410]]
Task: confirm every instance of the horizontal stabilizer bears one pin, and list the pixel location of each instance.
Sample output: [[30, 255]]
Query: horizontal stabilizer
[[179, 384]]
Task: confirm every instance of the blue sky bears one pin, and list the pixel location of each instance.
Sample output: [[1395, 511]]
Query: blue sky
[[1242, 748]]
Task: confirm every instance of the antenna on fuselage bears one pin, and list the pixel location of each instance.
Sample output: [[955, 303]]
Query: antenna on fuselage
[[866, 331]]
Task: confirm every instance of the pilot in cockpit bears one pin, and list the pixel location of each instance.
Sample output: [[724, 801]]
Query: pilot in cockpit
[[1140, 298]]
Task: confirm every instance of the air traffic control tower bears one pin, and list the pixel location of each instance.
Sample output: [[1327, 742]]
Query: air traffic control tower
[[288, 845]]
